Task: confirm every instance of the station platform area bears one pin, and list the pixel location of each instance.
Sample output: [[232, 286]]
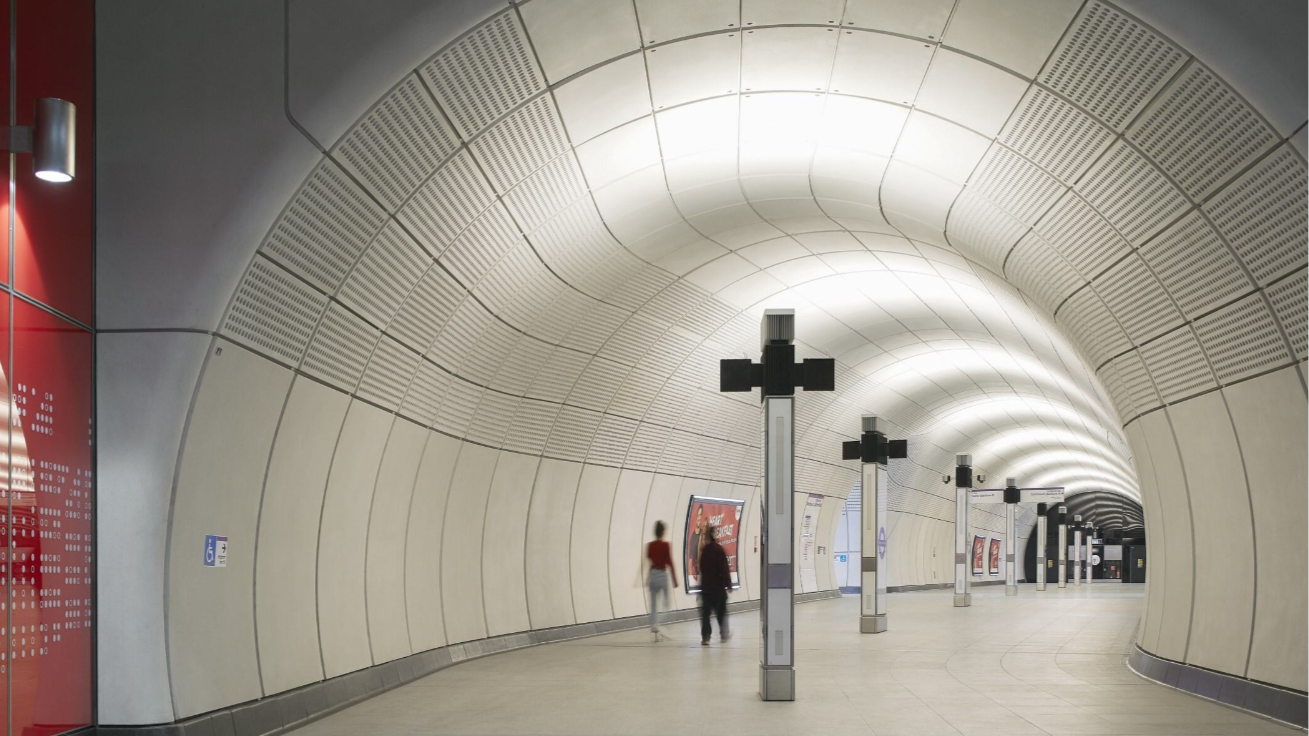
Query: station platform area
[[1039, 663]]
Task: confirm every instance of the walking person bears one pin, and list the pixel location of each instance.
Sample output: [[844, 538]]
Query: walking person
[[715, 579], [662, 571]]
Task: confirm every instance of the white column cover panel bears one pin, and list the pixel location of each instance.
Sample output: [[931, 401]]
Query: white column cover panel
[[343, 540], [423, 541], [504, 536], [388, 629], [461, 545], [589, 555], [286, 607], [549, 533], [211, 633], [627, 543]]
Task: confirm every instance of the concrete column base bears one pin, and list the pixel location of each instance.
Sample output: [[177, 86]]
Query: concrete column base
[[1011, 590], [776, 683], [962, 601], [1040, 586], [872, 624]]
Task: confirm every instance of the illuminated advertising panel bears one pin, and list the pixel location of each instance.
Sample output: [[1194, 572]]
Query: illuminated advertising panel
[[724, 515], [979, 555], [995, 557]]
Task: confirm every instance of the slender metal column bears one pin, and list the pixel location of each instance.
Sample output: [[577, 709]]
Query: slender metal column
[[1089, 533], [1077, 549], [963, 483], [1011, 496], [1062, 555], [873, 543], [1041, 544], [777, 614], [777, 375]]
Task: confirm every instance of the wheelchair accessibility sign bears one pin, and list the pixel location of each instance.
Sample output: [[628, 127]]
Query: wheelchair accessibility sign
[[215, 551]]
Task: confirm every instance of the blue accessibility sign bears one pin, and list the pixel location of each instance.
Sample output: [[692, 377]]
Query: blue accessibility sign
[[881, 543]]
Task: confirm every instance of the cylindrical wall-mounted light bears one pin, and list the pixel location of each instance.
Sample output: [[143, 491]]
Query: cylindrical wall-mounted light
[[50, 141], [53, 137]]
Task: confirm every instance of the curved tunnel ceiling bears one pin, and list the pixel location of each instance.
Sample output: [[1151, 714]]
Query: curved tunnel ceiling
[[556, 228]]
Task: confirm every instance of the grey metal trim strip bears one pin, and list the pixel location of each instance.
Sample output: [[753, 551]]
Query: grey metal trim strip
[[780, 576], [1288, 706], [869, 564], [284, 712], [940, 586]]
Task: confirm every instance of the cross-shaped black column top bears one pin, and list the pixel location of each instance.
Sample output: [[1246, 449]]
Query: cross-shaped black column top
[[873, 445], [777, 373]]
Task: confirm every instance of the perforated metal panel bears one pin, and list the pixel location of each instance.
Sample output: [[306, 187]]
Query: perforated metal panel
[[398, 144], [595, 328], [1135, 380], [1194, 265], [481, 245], [1092, 325], [573, 241], [385, 275], [491, 420], [1177, 365], [521, 143], [1241, 339], [489, 352], [389, 373], [982, 231], [1137, 299], [1131, 193], [530, 426], [597, 384], [1288, 298], [1081, 235], [485, 74], [426, 392], [1041, 272], [558, 374], [458, 408], [322, 232], [1015, 185], [570, 438], [547, 191], [459, 335], [1263, 215], [274, 312], [1055, 135], [521, 366], [444, 206], [341, 348], [424, 312], [1110, 64], [614, 436]]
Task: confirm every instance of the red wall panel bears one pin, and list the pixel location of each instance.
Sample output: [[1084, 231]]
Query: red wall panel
[[54, 231]]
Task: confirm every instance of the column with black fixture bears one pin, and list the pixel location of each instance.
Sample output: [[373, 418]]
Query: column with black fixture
[[1011, 497], [1061, 518], [778, 376], [873, 450], [963, 483], [1041, 544], [1077, 549]]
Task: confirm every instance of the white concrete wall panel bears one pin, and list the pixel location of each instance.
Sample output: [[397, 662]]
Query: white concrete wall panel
[[1272, 431], [1174, 504], [461, 544], [504, 539], [388, 629], [827, 540], [1220, 508], [549, 536], [659, 506], [750, 545], [286, 607], [423, 535], [343, 539], [145, 383], [211, 634], [627, 540], [589, 550], [1156, 531]]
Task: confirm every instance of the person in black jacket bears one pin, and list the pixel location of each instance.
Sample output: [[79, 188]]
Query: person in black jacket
[[715, 579]]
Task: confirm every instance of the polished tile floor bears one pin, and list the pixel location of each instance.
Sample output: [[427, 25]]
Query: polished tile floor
[[1048, 663]]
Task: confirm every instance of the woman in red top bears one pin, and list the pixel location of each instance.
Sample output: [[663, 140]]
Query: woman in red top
[[660, 556]]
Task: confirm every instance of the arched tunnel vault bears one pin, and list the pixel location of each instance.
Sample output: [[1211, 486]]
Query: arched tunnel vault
[[475, 355]]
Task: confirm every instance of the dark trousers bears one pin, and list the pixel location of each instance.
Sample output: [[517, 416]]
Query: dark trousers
[[714, 602]]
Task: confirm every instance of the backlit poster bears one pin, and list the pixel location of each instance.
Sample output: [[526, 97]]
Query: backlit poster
[[979, 555], [995, 557], [724, 516]]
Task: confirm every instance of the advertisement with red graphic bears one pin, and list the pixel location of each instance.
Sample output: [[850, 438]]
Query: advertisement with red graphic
[[723, 515], [979, 555], [995, 557]]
